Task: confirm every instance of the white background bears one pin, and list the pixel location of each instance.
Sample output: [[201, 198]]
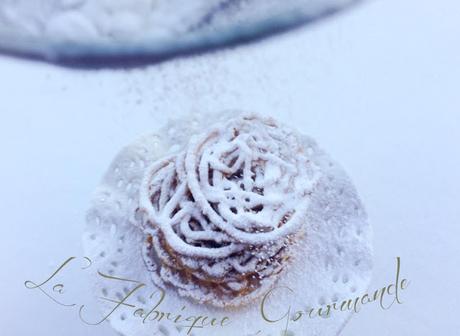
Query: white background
[[378, 87]]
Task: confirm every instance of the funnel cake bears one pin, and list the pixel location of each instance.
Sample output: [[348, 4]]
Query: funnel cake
[[223, 215]]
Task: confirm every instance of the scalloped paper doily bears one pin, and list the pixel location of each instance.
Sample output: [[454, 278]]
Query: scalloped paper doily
[[333, 262]]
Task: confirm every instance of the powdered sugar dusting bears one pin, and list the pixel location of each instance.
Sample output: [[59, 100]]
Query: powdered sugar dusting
[[103, 20]]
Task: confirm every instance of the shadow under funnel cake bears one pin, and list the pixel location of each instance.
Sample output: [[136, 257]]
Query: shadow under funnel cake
[[221, 217]]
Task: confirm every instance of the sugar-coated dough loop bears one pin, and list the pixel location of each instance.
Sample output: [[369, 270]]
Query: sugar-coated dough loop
[[223, 215], [250, 177]]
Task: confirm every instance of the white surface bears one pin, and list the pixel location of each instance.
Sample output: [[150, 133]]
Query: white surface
[[378, 89]]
